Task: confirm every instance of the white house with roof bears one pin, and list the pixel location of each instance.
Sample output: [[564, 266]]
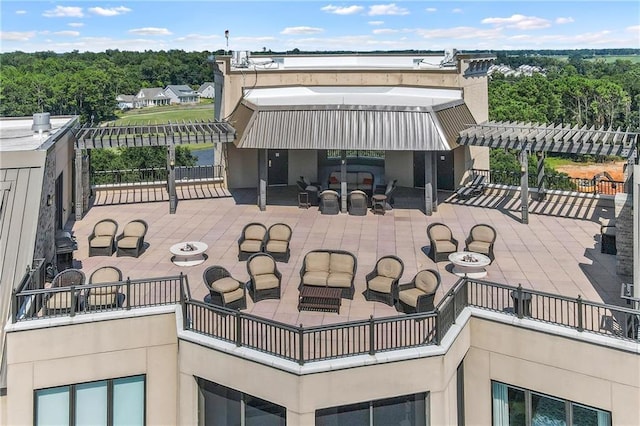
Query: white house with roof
[[207, 90], [153, 96], [181, 94]]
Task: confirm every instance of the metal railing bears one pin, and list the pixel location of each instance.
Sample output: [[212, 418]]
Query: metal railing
[[554, 182], [153, 176], [38, 303]]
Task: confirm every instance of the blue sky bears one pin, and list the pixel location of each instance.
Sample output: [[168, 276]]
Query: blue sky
[[316, 25]]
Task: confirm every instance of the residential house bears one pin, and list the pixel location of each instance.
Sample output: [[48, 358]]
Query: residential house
[[181, 94], [125, 101], [207, 90], [153, 96]]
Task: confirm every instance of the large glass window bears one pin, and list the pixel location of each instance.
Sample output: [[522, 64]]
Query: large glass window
[[222, 406], [104, 403], [514, 406], [407, 410]]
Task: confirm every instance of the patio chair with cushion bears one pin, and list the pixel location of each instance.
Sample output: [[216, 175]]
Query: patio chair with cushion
[[131, 241], [251, 240], [224, 290], [441, 241], [107, 296], [102, 239], [60, 302], [418, 295], [481, 239], [329, 202], [388, 191], [358, 201], [382, 282], [264, 277], [277, 242]]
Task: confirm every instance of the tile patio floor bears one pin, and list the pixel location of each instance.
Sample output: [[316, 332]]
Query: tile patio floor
[[554, 253]]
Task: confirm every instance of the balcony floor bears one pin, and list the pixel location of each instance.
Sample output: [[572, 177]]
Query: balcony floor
[[557, 252]]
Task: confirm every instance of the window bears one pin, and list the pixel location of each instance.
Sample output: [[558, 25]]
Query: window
[[107, 402], [222, 406], [407, 410], [520, 407]]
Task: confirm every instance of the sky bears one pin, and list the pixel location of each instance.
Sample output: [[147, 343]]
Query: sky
[[98, 25]]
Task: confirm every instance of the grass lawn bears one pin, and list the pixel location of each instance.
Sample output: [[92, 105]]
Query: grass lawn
[[554, 162]]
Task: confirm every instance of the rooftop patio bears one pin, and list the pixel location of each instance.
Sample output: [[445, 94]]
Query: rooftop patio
[[557, 252]]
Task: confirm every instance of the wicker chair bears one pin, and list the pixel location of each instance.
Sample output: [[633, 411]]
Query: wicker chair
[[418, 295], [382, 282], [329, 202], [358, 201], [131, 241], [251, 240], [442, 242], [102, 239], [480, 240], [61, 302], [104, 296], [264, 277], [277, 242], [224, 290]]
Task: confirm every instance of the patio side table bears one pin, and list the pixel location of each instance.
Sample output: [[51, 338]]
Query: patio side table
[[378, 202]]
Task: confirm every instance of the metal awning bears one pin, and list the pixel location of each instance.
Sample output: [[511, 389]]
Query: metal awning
[[88, 137], [350, 127], [563, 139]]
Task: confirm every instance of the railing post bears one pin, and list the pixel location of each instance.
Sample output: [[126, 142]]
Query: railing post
[[183, 305], [519, 301], [580, 308], [595, 186], [14, 306], [127, 289], [372, 336], [300, 345], [74, 300], [238, 329], [436, 338]]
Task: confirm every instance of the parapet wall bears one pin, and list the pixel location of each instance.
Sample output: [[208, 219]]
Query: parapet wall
[[624, 234]]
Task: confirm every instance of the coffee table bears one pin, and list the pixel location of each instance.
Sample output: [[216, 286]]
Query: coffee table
[[189, 253], [314, 298], [468, 264]]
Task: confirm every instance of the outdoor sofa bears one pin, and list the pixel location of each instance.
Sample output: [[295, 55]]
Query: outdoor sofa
[[329, 268]]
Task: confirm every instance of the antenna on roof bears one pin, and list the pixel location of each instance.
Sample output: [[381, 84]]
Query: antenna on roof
[[226, 35]]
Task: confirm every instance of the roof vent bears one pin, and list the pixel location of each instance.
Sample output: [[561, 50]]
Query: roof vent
[[41, 122]]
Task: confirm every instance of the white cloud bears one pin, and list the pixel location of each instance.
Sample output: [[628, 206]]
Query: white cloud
[[385, 31], [64, 12], [566, 20], [376, 22], [67, 33], [461, 33], [198, 37], [153, 31], [76, 24], [633, 29], [338, 10], [21, 12], [113, 11], [431, 10], [456, 10], [387, 9], [520, 22], [17, 35], [301, 30]]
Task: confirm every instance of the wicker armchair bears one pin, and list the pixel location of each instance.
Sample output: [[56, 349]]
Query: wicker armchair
[[277, 242], [104, 296], [61, 302], [131, 241], [480, 240], [224, 290], [264, 277], [251, 240], [329, 202], [382, 282], [358, 201], [441, 241], [418, 295], [102, 239]]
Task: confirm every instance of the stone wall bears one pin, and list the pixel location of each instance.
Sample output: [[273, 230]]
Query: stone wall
[[45, 245], [624, 234]]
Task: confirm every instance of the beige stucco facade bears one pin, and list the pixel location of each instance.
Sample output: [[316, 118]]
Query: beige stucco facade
[[563, 363]]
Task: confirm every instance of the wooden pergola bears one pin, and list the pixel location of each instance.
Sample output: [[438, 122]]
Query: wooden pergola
[[169, 135], [541, 138]]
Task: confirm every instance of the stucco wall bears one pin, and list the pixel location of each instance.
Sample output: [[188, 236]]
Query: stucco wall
[[243, 167], [69, 354], [399, 165]]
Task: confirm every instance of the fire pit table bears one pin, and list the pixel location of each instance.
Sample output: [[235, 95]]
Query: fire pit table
[[469, 265], [189, 253]]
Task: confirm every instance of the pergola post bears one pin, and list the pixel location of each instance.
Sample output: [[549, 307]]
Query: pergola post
[[524, 185], [171, 178], [541, 181], [628, 179], [262, 179], [434, 180], [343, 181], [79, 207], [430, 185]]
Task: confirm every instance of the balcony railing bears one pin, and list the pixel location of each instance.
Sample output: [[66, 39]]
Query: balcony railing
[[554, 182], [153, 176], [369, 336]]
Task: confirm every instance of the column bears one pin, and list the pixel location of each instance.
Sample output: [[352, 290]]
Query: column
[[524, 185], [171, 178], [428, 183], [262, 179], [434, 179], [79, 187], [541, 182], [343, 181]]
